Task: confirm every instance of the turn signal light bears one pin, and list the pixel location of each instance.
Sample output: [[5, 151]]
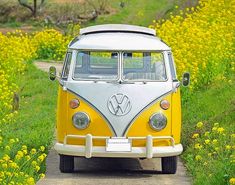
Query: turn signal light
[[74, 103], [165, 104]]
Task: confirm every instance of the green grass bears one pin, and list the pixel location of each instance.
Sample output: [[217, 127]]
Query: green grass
[[35, 123], [135, 12], [214, 104]]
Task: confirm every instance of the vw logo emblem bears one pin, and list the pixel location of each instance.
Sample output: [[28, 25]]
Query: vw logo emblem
[[119, 104]]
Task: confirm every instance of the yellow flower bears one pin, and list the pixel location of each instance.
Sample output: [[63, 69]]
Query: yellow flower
[[12, 141], [42, 148], [27, 157], [20, 153], [30, 181], [13, 165], [198, 146], [25, 152], [9, 174], [37, 168], [199, 125], [4, 165], [215, 141], [6, 157], [33, 151], [44, 155], [34, 163], [18, 157], [232, 181], [220, 130], [198, 158], [195, 136], [1, 174], [207, 141], [228, 147], [24, 147], [41, 158], [42, 175], [214, 129]]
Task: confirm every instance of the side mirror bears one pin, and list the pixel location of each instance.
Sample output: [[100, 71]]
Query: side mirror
[[186, 79], [52, 73]]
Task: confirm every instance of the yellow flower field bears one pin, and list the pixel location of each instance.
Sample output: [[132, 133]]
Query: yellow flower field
[[202, 39], [22, 167], [213, 153]]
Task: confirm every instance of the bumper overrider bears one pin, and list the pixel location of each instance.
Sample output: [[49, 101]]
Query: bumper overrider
[[88, 150]]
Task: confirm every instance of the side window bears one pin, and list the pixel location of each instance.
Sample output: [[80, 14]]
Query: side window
[[172, 67], [66, 67]]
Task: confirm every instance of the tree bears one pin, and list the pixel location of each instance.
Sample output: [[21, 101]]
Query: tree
[[33, 7]]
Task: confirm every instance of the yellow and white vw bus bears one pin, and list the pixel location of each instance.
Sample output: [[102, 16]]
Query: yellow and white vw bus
[[118, 97]]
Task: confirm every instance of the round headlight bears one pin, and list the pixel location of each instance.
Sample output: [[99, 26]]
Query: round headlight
[[158, 121], [81, 120]]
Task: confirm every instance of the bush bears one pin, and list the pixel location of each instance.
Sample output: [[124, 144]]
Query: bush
[[50, 44]]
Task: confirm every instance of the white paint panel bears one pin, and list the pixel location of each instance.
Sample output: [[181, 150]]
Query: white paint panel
[[99, 93]]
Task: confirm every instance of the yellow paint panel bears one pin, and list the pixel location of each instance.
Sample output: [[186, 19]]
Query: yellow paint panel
[[176, 116], [141, 127], [100, 127], [97, 127], [61, 117]]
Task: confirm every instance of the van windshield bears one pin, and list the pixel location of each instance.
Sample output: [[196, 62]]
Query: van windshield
[[137, 66], [96, 66]]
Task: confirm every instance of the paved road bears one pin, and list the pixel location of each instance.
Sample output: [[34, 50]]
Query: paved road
[[46, 65], [109, 171]]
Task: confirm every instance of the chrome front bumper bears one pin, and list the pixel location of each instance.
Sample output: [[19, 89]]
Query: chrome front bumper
[[89, 150]]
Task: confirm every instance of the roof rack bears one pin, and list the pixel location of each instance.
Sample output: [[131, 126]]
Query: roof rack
[[117, 28]]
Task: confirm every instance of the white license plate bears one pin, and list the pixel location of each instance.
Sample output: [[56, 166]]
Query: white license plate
[[118, 145]]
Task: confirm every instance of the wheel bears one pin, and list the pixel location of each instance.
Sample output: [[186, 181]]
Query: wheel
[[169, 165], [66, 163]]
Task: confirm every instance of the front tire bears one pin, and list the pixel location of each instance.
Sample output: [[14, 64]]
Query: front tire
[[66, 163], [169, 165]]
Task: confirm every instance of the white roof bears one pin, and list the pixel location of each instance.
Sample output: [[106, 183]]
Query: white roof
[[117, 28], [119, 41], [127, 39]]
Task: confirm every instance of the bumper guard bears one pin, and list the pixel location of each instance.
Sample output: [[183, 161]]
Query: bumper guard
[[100, 151]]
